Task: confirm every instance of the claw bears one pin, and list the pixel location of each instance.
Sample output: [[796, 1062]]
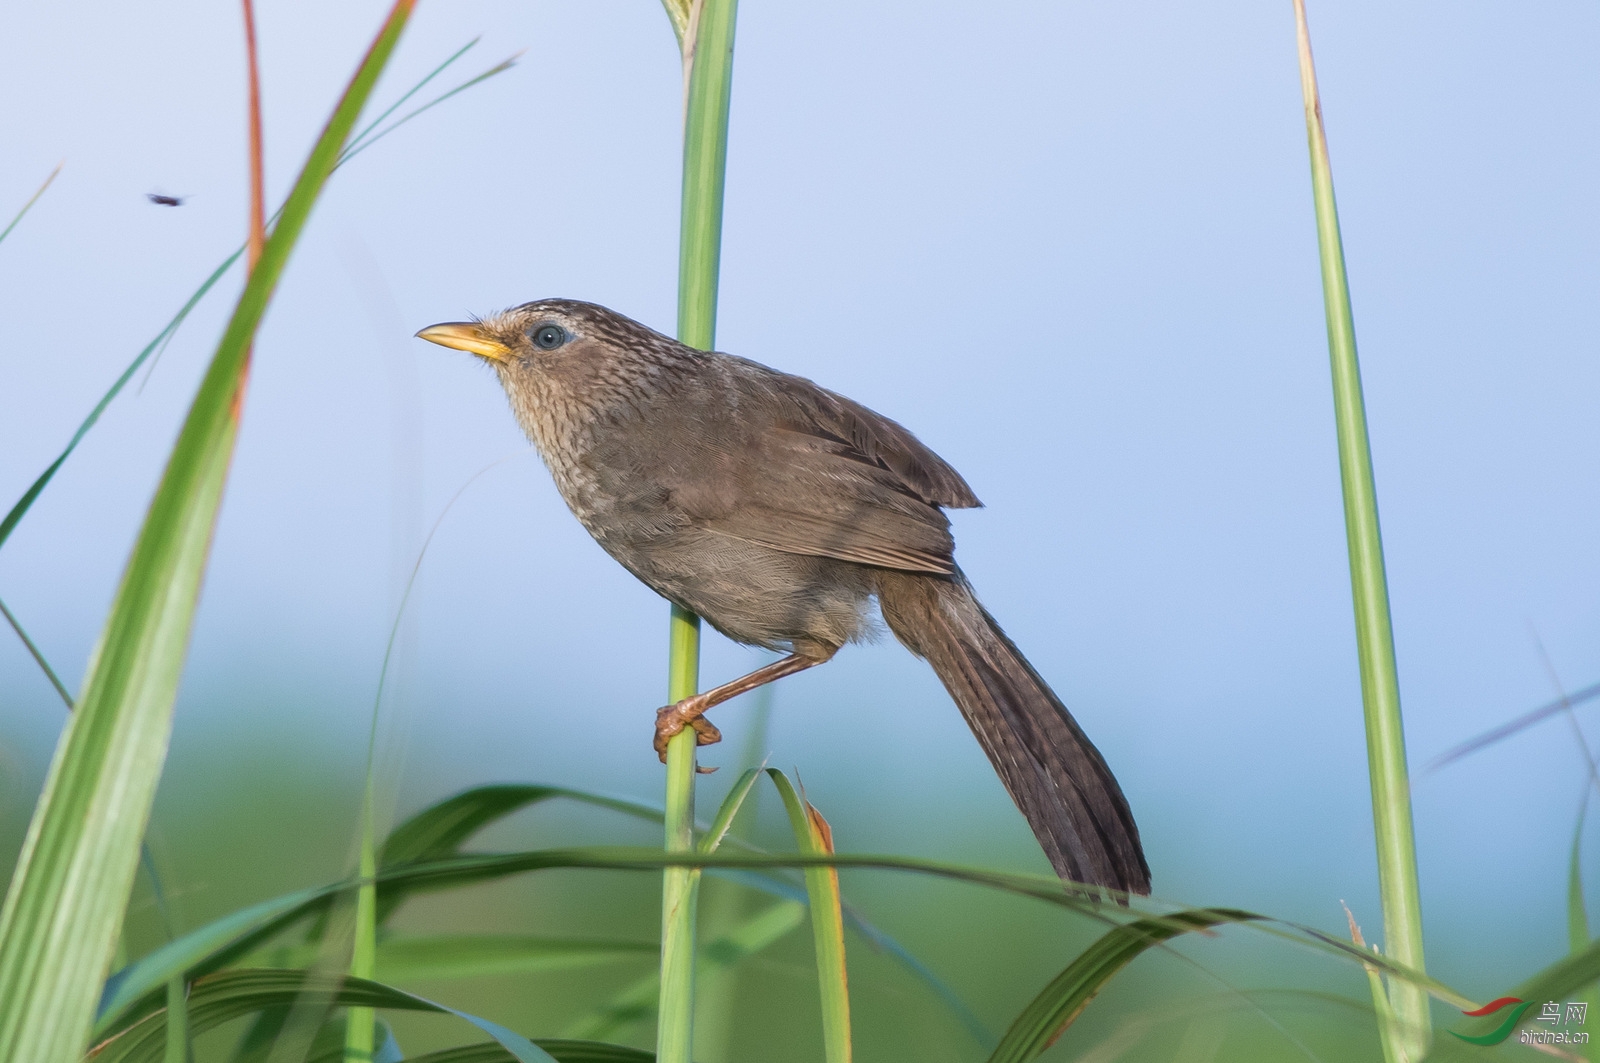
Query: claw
[[674, 718]]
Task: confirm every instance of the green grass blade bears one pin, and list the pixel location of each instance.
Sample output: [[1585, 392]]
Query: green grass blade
[[470, 869], [1578, 937], [451, 956], [38, 657], [11, 519], [355, 141], [1060, 1003], [728, 810], [230, 935], [177, 1046], [60, 922], [228, 995], [813, 838], [705, 37], [1564, 703], [441, 829], [448, 874], [981, 1035], [361, 1024], [1380, 996], [1578, 934], [562, 1050], [1380, 684], [22, 505], [499, 68], [708, 59], [245, 932], [473, 956], [31, 201], [678, 12], [239, 937]]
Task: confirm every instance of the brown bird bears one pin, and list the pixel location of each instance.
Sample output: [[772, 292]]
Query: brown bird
[[778, 510]]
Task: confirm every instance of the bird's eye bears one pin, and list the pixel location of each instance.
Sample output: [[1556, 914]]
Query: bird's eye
[[549, 337]]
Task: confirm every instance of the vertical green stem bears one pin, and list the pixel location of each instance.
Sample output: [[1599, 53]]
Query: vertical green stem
[[708, 62], [680, 885], [360, 1031], [708, 56], [1380, 684], [177, 1047]]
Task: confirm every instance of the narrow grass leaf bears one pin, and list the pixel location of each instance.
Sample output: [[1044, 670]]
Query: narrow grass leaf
[[1060, 1003], [708, 62], [14, 516], [265, 1039], [958, 1008], [22, 505], [814, 838], [1577, 912], [1578, 935], [245, 931], [256, 238], [60, 922], [1506, 730], [1380, 684], [228, 995], [361, 1024], [728, 810], [562, 1050], [1380, 997], [177, 1047], [31, 201], [191, 952], [366, 130], [38, 657], [678, 12], [441, 829], [449, 956], [499, 68]]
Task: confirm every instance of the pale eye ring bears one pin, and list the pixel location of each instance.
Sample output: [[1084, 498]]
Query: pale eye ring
[[548, 337]]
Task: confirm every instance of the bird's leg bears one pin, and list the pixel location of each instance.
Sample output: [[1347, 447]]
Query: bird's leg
[[690, 712]]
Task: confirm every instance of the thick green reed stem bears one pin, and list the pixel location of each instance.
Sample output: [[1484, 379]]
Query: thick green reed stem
[[1406, 1037], [708, 64]]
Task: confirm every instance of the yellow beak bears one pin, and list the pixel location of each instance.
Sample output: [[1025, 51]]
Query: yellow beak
[[466, 336]]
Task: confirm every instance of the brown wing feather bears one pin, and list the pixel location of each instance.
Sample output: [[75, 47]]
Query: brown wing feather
[[872, 438], [842, 481]]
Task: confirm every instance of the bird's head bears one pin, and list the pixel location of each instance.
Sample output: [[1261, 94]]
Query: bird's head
[[555, 354], [534, 335]]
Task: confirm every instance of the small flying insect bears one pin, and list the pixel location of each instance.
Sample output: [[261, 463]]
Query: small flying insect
[[163, 200]]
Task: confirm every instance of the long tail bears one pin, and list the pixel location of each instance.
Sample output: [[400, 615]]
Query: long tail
[[1053, 772]]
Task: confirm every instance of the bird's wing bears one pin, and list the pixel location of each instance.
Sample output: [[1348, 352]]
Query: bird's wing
[[869, 437], [841, 481]]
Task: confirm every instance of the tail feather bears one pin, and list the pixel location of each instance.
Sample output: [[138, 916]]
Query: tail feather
[[1051, 769]]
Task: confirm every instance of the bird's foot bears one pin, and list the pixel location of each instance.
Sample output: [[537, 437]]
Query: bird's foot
[[690, 712]]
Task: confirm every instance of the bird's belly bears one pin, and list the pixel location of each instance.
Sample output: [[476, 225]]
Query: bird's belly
[[753, 594]]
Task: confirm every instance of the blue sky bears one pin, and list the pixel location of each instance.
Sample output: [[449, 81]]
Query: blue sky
[[1070, 245]]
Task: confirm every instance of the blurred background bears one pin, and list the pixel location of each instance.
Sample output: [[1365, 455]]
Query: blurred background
[[1070, 245]]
